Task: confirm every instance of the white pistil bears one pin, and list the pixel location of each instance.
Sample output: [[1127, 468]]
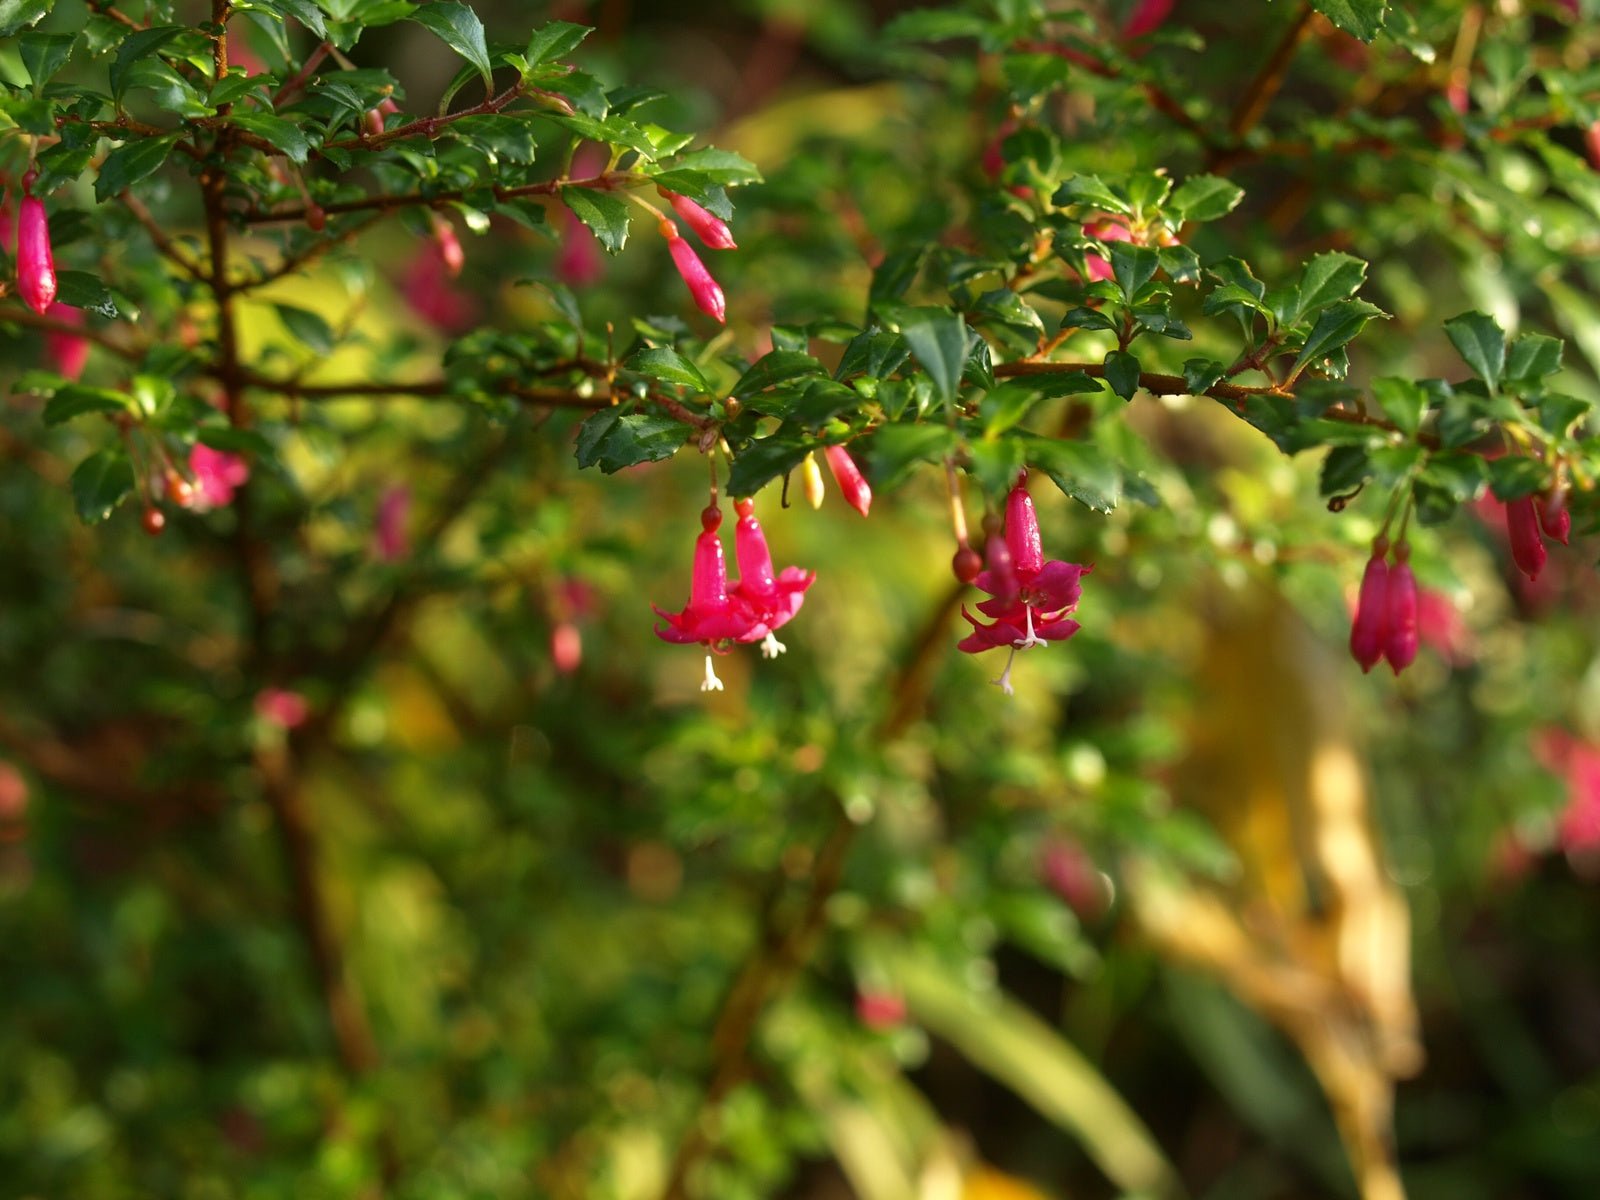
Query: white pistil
[[1031, 639], [1004, 682], [771, 647], [710, 683]]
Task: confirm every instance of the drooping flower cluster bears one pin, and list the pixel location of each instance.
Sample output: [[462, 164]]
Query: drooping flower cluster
[[711, 230], [1030, 597], [1532, 519], [719, 615], [1385, 625]]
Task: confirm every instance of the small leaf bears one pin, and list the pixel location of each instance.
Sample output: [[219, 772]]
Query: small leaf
[[75, 399], [1513, 476], [1132, 266], [100, 483], [762, 461], [1122, 373], [1345, 469], [779, 366], [461, 29], [1337, 325], [314, 333], [668, 366], [611, 440], [304, 11], [1481, 343], [898, 449], [1361, 18], [938, 340], [79, 289], [1327, 278], [1079, 470], [1402, 401], [1205, 198], [602, 212], [1091, 192], [19, 14], [43, 54], [555, 41], [282, 134], [723, 167], [136, 46], [131, 162], [1533, 357], [1201, 374]]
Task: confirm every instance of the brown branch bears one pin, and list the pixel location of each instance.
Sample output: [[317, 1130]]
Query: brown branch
[[1253, 104], [290, 263], [298, 80], [429, 127], [423, 389], [607, 182], [32, 320], [163, 243]]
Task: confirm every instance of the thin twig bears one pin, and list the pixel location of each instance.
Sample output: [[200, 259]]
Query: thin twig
[[1253, 104]]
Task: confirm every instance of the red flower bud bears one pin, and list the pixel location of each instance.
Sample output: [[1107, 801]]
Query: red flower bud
[[707, 295], [36, 268], [1147, 17], [966, 564], [848, 476], [1527, 547], [1400, 639], [1554, 518], [710, 229], [1591, 143], [68, 352], [1369, 631], [566, 647], [449, 246]]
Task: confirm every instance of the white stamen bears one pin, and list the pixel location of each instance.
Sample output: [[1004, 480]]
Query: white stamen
[[710, 683], [1004, 682], [771, 647], [1030, 640]]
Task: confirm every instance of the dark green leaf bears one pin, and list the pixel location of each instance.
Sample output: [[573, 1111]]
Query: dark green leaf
[[1199, 374], [894, 274], [723, 167], [876, 354], [131, 162], [1122, 373], [1337, 325], [555, 41], [1459, 473], [780, 366], [75, 399], [136, 46], [938, 340], [1132, 266], [20, 14], [996, 464], [762, 461], [1345, 469], [461, 29], [601, 212], [507, 138], [1079, 470], [1533, 357], [1481, 343], [304, 11], [1327, 278], [79, 289], [1205, 198], [667, 365], [1361, 18], [611, 440], [1402, 401], [234, 440], [43, 55], [898, 449], [1513, 476], [1091, 192], [309, 329], [282, 134], [100, 483]]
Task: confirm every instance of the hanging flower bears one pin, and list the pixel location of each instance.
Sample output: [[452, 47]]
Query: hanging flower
[[857, 492], [391, 534], [1527, 544], [281, 707], [450, 251], [1147, 17], [36, 267], [216, 474], [1554, 517], [68, 352], [1369, 631], [1035, 613], [774, 598], [430, 292], [714, 617], [708, 227], [707, 294], [1400, 638]]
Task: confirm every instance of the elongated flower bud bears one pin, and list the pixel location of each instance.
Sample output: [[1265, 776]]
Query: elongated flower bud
[[1591, 143], [68, 352], [566, 647], [708, 585], [1554, 517], [1002, 582], [811, 481], [1527, 547], [1400, 639], [1147, 17], [707, 295], [848, 476], [1022, 532], [750, 548], [450, 251], [708, 227], [36, 267], [1369, 631]]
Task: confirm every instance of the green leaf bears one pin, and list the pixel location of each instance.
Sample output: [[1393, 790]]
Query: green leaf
[[1132, 266], [762, 461], [507, 138], [894, 274], [1205, 198], [461, 29], [668, 366], [131, 162], [555, 41], [1327, 278], [611, 440], [234, 440], [898, 449], [996, 464], [138, 45], [1200, 374], [1533, 357], [934, 25], [304, 11], [1361, 18], [100, 483], [1459, 473], [1513, 476], [938, 340], [1345, 469], [1337, 325], [43, 55], [281, 134], [308, 328], [779, 366], [79, 289], [20, 14], [1122, 373], [74, 400], [722, 167], [602, 212], [1402, 401], [1079, 470], [1481, 343], [1090, 192]]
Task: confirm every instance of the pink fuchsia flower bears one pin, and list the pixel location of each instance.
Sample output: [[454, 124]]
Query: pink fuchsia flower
[[1527, 544], [428, 291], [566, 647], [1578, 763], [707, 294], [391, 533], [708, 227], [281, 707], [714, 616], [1046, 591], [1400, 638], [1554, 518], [775, 599], [1369, 631], [36, 267], [581, 263], [450, 251], [1069, 872], [1457, 96], [1147, 17], [372, 120], [1108, 229], [216, 474], [857, 492], [68, 352], [880, 1011]]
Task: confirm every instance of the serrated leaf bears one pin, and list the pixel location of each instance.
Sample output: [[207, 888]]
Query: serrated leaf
[[1403, 402], [307, 327], [1337, 325], [1122, 373], [612, 440], [602, 212], [1132, 266], [281, 134], [43, 55], [304, 11], [20, 14], [1205, 198], [1481, 343], [555, 41], [779, 366], [722, 167], [898, 449], [1360, 18], [79, 289], [1327, 278], [894, 274], [937, 339], [1091, 191], [1345, 469], [760, 462], [75, 399], [135, 47], [1200, 374], [461, 30], [668, 366], [100, 483], [1513, 476], [1079, 470], [1533, 356], [130, 163]]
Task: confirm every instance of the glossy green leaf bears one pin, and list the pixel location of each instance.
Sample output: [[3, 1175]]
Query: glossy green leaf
[[604, 213], [462, 31], [1481, 343], [612, 440], [100, 483], [668, 366], [937, 339], [131, 162], [1205, 198]]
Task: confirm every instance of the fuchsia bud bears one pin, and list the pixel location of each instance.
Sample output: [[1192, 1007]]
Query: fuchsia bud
[[281, 707], [1554, 517], [710, 229], [1400, 638], [36, 268], [1527, 546], [1147, 17], [391, 535], [1369, 631], [566, 647], [68, 352], [450, 251], [1022, 531], [708, 584], [707, 295], [848, 476], [880, 1011], [811, 481], [1457, 96], [1591, 143], [372, 119]]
